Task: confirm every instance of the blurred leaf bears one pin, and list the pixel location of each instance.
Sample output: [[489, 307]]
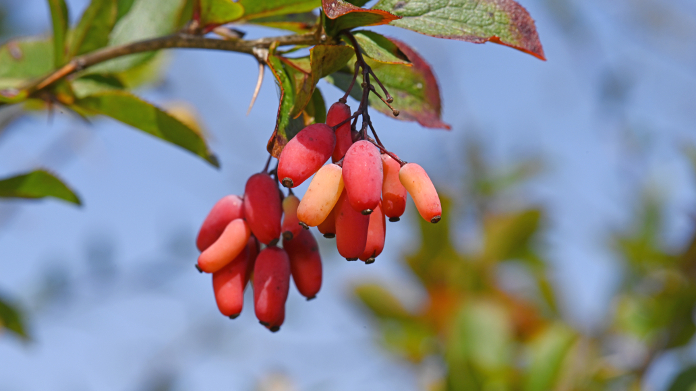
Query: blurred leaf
[[548, 353], [258, 9], [379, 47], [93, 29], [381, 302], [345, 16], [414, 88], [297, 23], [149, 72], [37, 184], [315, 112], [11, 319], [508, 235], [124, 6], [685, 381], [500, 21], [133, 111], [411, 339], [92, 84], [59, 17], [25, 59], [217, 12], [146, 19]]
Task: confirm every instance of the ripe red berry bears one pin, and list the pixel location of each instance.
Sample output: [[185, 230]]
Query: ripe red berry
[[227, 209], [275, 325], [305, 153], [339, 112], [376, 233], [291, 224], [362, 176], [228, 246], [393, 192], [262, 207], [418, 184], [305, 263], [328, 226], [351, 229], [321, 196], [230, 281], [271, 284]]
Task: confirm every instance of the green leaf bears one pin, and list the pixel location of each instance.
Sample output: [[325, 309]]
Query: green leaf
[[685, 381], [508, 235], [93, 29], [11, 319], [216, 12], [547, 355], [286, 126], [500, 21], [379, 47], [266, 8], [37, 184], [124, 6], [59, 17], [133, 111], [414, 88], [297, 23], [146, 19], [381, 302], [316, 109], [22, 60], [94, 83], [346, 16]]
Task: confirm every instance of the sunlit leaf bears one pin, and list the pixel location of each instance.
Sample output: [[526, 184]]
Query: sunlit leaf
[[93, 84], [345, 16], [258, 9], [500, 21], [93, 29], [302, 23], [144, 116], [11, 319], [548, 352], [217, 12], [381, 302], [37, 184], [25, 59], [379, 47], [685, 381], [59, 17], [414, 88]]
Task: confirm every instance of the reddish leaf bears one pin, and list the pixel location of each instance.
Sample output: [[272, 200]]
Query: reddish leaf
[[345, 16]]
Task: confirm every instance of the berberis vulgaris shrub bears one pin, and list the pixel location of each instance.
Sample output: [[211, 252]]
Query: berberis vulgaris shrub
[[265, 235]]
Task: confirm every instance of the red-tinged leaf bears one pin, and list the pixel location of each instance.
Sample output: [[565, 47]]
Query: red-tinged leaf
[[345, 16], [378, 47], [414, 88], [500, 21]]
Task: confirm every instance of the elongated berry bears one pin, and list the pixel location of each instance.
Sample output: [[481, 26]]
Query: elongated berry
[[232, 241], [262, 207], [418, 184], [321, 196], [305, 263], [291, 224], [339, 112], [362, 176], [376, 233], [328, 226], [275, 325], [271, 284], [305, 153], [227, 209], [393, 192], [351, 229], [230, 281]]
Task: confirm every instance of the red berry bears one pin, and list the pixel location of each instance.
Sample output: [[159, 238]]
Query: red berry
[[271, 284], [228, 246], [393, 192], [227, 209], [362, 176], [305, 153], [305, 263], [339, 112], [418, 184], [275, 325], [291, 224], [262, 207], [230, 281], [328, 226], [351, 229], [376, 233], [321, 196]]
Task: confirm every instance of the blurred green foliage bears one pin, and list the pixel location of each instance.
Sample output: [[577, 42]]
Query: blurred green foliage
[[492, 337]]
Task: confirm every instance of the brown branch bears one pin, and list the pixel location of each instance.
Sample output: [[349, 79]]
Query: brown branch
[[167, 42]]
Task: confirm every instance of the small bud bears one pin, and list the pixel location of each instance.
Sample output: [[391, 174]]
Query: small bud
[[395, 113]]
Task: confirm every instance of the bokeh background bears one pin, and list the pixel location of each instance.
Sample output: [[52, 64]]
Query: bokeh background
[[596, 143]]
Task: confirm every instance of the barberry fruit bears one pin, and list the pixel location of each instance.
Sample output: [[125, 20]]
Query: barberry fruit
[[321, 196], [305, 263], [262, 207], [362, 176], [305, 153], [418, 184]]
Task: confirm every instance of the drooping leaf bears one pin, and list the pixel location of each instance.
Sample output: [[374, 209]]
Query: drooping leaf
[[259, 9], [379, 47], [547, 355], [345, 16], [217, 12], [500, 21], [37, 184], [301, 23], [381, 302], [12, 319], [144, 116], [146, 19], [93, 29], [315, 112], [95, 83], [59, 17], [685, 381], [414, 88], [22, 60]]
